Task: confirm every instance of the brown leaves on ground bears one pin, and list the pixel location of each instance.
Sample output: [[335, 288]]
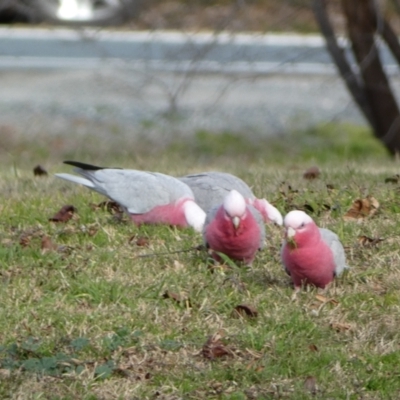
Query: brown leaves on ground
[[313, 348], [109, 205], [181, 299], [312, 173], [64, 214], [340, 327], [324, 299], [140, 241], [47, 244], [310, 385], [366, 241], [39, 171], [361, 209], [393, 179], [244, 310], [27, 236], [215, 348]]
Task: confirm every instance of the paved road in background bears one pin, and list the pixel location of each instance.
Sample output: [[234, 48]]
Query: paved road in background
[[61, 80], [205, 52]]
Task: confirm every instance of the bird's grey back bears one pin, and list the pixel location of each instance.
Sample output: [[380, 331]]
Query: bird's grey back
[[339, 256], [210, 188], [137, 191]]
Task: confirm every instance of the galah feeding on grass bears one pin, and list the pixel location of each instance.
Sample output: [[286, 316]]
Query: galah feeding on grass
[[311, 255], [147, 197], [210, 189], [235, 229]]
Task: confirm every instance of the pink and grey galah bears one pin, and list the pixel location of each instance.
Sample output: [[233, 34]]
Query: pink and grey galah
[[147, 197], [235, 229], [210, 189], [311, 255]]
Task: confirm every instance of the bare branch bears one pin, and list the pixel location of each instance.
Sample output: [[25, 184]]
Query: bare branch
[[351, 80]]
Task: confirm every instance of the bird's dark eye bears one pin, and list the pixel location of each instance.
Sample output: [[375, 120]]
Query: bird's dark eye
[[302, 225]]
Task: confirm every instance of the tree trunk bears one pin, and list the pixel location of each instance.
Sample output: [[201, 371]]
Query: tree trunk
[[352, 81], [361, 26]]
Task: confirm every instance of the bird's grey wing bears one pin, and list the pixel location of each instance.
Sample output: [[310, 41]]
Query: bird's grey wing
[[137, 191], [283, 262], [260, 221], [210, 215], [339, 256], [210, 188]]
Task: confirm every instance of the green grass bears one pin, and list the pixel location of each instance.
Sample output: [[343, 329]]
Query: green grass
[[89, 319]]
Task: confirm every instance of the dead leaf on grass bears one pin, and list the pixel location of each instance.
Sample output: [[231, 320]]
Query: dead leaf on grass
[[310, 384], [215, 348], [313, 347], [25, 240], [245, 310], [109, 205], [64, 214], [47, 244], [312, 173], [340, 327], [362, 208], [177, 297], [324, 299], [140, 241], [39, 171], [366, 241], [393, 179]]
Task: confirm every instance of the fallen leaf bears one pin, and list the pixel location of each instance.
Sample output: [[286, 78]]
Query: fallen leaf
[[140, 241], [109, 205], [39, 171], [64, 214], [393, 179], [245, 310], [47, 244], [177, 297], [24, 240], [310, 384], [313, 347], [362, 208], [340, 327], [324, 299], [366, 241], [214, 348], [312, 173]]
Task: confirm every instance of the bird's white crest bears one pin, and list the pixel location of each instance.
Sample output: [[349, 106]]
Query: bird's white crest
[[195, 216], [294, 219], [234, 204], [272, 212]]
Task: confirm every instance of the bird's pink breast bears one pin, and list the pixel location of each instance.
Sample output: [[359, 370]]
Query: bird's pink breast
[[169, 214], [238, 244], [310, 264]]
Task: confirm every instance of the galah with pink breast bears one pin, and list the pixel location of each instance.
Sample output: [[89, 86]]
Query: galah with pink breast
[[311, 255], [147, 197], [235, 229]]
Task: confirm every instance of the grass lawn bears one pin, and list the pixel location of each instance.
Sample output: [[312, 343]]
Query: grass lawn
[[96, 308]]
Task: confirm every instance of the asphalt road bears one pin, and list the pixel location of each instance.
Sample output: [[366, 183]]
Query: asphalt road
[[82, 80]]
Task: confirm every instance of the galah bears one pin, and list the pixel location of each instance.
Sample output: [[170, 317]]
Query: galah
[[310, 255], [210, 188], [147, 197], [235, 229]]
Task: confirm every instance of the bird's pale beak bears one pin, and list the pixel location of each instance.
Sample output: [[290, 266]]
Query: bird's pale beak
[[236, 222], [290, 232]]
